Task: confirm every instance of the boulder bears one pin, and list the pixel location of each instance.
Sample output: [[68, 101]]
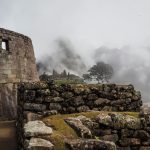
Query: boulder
[[67, 95], [142, 134], [40, 144], [77, 101], [129, 141], [29, 116], [111, 137], [92, 97], [104, 119], [34, 107], [57, 99], [101, 102], [78, 126], [83, 108], [90, 144], [118, 121], [55, 106], [144, 148], [36, 128], [88, 122]]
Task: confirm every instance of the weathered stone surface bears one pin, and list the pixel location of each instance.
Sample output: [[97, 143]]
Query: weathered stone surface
[[90, 144], [123, 148], [142, 134], [30, 95], [119, 121], [78, 126], [67, 94], [34, 107], [8, 100], [32, 116], [88, 122], [112, 137], [103, 132], [130, 141], [17, 61], [49, 113], [17, 64], [126, 133], [102, 102], [36, 128], [77, 101], [104, 119], [40, 144], [83, 108], [57, 99], [71, 109], [55, 106], [146, 143], [144, 148], [92, 97]]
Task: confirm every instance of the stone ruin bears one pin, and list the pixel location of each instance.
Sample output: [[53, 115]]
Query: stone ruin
[[17, 64], [24, 98]]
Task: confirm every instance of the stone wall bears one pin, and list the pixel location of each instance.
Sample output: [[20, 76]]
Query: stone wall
[[40, 99], [43, 97], [126, 131], [8, 101], [17, 64], [17, 61]]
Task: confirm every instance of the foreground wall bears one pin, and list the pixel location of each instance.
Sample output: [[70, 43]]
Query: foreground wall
[[45, 98]]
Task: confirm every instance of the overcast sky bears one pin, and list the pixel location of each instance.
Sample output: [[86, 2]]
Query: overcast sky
[[115, 31]]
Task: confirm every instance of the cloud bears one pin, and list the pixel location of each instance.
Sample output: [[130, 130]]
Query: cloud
[[64, 57], [130, 66], [88, 25]]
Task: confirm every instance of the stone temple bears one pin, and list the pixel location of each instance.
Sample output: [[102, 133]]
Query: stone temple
[[17, 64]]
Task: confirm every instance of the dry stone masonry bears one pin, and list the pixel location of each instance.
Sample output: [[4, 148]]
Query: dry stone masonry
[[17, 64], [125, 131], [112, 131], [42, 97]]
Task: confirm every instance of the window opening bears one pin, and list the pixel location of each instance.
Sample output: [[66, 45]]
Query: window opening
[[4, 45]]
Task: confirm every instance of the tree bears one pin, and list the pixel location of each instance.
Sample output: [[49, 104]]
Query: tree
[[101, 72], [55, 73], [87, 77], [64, 73]]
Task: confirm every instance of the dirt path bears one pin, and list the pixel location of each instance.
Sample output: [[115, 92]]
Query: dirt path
[[8, 135]]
